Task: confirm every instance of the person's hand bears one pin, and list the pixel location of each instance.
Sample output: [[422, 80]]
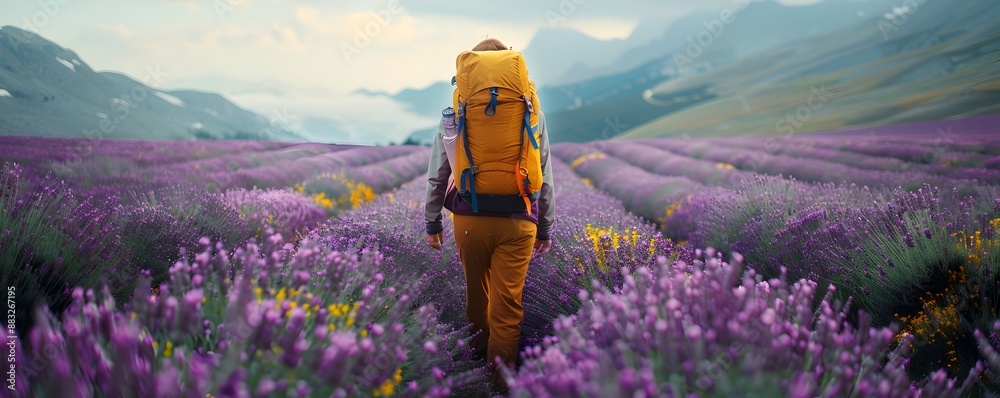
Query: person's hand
[[436, 240], [542, 246]]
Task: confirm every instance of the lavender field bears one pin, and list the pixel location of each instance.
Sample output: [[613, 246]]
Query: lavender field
[[816, 265]]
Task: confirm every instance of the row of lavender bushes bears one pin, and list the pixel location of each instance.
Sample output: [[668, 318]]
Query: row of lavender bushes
[[79, 211], [56, 238], [264, 320], [272, 319], [925, 259], [104, 168], [251, 323], [598, 245], [941, 157], [711, 329]]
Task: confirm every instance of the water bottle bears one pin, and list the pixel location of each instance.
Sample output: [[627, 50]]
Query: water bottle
[[448, 121], [450, 133]]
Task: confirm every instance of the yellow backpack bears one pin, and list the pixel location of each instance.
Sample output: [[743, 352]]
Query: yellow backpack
[[497, 157]]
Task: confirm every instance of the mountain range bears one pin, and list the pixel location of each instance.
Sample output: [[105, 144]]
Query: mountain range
[[738, 70], [752, 68], [925, 60], [47, 90]]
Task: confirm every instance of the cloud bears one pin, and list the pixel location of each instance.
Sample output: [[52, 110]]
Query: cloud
[[329, 117], [119, 31], [191, 6], [224, 34], [387, 28], [603, 28], [312, 19]]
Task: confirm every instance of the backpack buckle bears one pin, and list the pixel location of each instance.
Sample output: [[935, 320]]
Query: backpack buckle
[[527, 101]]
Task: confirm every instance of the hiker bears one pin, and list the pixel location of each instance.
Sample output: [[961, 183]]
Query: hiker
[[489, 167]]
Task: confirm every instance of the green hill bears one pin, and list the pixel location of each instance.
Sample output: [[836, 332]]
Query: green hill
[[937, 61], [50, 91]]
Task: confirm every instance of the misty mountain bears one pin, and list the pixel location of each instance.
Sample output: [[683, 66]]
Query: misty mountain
[[229, 85], [933, 61], [47, 90], [897, 62], [553, 53], [422, 137], [740, 30], [429, 100]]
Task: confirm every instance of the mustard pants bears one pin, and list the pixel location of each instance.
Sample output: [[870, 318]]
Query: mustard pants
[[495, 252]]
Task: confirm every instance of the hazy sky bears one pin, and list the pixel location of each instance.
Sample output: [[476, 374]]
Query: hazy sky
[[320, 51]]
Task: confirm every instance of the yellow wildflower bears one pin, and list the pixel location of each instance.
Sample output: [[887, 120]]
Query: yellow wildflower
[[322, 200], [578, 161], [673, 209], [388, 388], [168, 351]]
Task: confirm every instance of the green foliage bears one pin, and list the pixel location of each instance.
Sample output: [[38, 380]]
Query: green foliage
[[46, 249]]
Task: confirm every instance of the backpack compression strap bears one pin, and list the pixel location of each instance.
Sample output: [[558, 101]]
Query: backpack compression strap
[[491, 108], [528, 109], [469, 173], [523, 186]]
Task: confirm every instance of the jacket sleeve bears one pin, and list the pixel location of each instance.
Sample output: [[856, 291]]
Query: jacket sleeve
[[438, 174], [546, 201]]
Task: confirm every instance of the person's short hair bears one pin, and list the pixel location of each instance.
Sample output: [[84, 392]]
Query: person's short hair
[[490, 45]]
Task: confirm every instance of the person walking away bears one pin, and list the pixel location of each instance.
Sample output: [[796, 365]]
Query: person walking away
[[490, 167]]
